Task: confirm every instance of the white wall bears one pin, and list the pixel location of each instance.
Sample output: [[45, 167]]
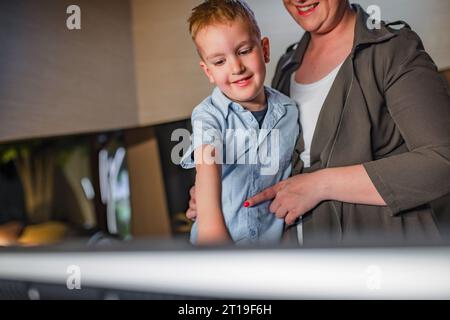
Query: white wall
[[429, 18]]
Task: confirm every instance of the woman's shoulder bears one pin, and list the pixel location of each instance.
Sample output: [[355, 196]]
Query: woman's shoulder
[[404, 43], [405, 36], [402, 49]]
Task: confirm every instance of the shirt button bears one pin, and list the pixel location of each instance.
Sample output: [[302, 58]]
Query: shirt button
[[252, 233]]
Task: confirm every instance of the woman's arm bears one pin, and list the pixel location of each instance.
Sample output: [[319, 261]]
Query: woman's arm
[[418, 101], [349, 184], [211, 224]]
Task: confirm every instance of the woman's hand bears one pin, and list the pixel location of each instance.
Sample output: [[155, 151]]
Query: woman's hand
[[293, 197], [191, 212], [299, 194]]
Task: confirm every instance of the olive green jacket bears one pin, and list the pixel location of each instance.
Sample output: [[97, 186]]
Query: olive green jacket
[[388, 109]]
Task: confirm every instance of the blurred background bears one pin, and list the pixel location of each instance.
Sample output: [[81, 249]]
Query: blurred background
[[86, 115]]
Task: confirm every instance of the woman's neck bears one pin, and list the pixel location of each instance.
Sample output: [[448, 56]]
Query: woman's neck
[[343, 31], [327, 50]]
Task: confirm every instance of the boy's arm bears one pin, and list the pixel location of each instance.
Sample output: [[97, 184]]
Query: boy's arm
[[208, 182]]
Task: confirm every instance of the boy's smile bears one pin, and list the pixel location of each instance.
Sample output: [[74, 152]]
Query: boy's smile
[[234, 59], [243, 82]]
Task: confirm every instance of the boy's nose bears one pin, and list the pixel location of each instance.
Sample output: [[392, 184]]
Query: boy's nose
[[237, 68]]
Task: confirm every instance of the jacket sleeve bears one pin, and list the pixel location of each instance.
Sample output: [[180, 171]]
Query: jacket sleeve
[[418, 100]]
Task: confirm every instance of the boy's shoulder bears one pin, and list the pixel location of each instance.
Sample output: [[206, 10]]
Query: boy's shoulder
[[280, 98], [211, 106]]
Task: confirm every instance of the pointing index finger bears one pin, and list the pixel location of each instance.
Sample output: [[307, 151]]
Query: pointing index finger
[[265, 195]]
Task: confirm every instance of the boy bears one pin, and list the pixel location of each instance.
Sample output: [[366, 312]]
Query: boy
[[233, 57]]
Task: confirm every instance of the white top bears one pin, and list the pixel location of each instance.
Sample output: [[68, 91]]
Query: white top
[[310, 98]]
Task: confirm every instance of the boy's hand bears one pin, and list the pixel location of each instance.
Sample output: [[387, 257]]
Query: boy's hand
[[191, 212]]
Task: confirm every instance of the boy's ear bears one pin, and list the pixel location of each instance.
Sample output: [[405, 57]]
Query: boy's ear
[[206, 71], [265, 44]]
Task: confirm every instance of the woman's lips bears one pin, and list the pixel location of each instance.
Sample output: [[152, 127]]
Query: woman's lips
[[307, 10], [243, 82]]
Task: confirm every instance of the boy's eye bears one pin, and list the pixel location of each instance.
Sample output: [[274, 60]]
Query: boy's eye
[[245, 51], [219, 62]]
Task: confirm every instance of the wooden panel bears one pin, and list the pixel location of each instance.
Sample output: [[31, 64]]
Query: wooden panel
[[57, 81], [150, 216], [170, 82]]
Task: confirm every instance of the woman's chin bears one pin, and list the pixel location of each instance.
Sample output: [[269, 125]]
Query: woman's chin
[[312, 26]]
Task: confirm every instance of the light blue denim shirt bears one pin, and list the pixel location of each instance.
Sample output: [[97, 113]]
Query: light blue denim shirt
[[252, 159]]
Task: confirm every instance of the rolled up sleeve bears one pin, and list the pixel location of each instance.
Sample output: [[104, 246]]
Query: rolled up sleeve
[[206, 130], [418, 100]]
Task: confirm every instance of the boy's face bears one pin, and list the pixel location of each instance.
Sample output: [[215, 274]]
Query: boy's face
[[234, 59]]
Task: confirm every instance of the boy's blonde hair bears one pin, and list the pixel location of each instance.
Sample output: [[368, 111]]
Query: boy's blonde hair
[[221, 11]]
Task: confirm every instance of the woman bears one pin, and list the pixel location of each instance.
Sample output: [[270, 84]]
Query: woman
[[376, 144]]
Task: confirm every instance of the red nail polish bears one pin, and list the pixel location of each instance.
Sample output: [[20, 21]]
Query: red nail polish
[[246, 204]]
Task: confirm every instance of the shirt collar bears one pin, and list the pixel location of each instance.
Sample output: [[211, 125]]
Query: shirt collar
[[275, 99], [364, 35], [221, 101]]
